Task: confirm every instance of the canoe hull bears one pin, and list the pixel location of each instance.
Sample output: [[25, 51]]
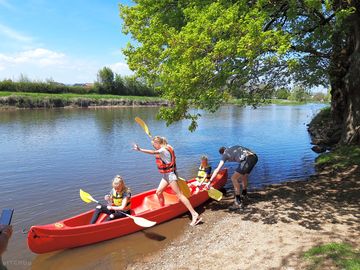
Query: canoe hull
[[76, 231]]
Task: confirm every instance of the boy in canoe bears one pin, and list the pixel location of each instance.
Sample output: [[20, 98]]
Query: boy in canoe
[[119, 201], [247, 159], [166, 163]]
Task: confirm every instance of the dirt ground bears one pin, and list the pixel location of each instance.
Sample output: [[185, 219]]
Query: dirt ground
[[280, 223]]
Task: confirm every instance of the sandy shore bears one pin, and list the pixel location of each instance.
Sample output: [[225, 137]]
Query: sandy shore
[[273, 231]]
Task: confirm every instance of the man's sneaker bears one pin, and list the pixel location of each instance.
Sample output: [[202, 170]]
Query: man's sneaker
[[245, 199], [234, 207], [237, 200]]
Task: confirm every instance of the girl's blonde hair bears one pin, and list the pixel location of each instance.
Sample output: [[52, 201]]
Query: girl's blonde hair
[[118, 180], [160, 140]]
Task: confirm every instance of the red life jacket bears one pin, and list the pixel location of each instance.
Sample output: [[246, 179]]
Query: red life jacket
[[166, 167]]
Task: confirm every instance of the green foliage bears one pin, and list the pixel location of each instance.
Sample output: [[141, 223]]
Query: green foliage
[[68, 96], [108, 83], [42, 87], [282, 93], [119, 86], [45, 100], [198, 53], [299, 93], [341, 254], [340, 158], [105, 81], [111, 83], [323, 116]]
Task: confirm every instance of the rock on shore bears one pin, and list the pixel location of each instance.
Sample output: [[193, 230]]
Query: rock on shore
[[324, 131]]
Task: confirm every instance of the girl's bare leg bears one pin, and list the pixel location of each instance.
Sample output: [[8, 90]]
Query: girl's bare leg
[[174, 185], [159, 192]]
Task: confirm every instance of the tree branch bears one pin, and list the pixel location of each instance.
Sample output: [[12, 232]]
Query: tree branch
[[311, 51]]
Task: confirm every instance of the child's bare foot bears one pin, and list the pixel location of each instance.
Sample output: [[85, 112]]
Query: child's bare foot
[[195, 220]]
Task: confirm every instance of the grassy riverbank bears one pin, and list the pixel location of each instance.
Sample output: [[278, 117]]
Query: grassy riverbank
[[45, 100], [309, 224], [50, 100], [340, 158]]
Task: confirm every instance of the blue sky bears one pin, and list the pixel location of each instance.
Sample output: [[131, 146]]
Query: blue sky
[[64, 40]]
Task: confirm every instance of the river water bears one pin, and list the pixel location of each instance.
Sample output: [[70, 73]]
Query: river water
[[46, 156]]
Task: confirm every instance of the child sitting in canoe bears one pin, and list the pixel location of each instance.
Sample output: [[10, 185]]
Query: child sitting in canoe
[[204, 171], [119, 201]]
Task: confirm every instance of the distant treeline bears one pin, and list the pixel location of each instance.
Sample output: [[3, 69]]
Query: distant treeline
[[107, 82], [298, 93]]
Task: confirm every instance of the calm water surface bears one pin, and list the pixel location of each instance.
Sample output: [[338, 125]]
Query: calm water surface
[[46, 156]]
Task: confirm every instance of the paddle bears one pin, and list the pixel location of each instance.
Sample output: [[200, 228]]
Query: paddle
[[184, 187], [181, 182], [143, 125], [212, 192], [86, 197], [215, 194]]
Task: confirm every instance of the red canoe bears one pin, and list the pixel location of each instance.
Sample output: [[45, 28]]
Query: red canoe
[[76, 231]]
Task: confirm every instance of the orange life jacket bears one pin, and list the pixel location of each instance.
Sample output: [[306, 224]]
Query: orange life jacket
[[166, 167]]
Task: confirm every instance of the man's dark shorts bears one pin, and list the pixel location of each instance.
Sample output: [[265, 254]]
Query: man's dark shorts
[[247, 166]]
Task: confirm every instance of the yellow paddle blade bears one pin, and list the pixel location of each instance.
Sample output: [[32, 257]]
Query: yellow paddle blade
[[143, 125], [215, 194], [184, 187], [86, 197]]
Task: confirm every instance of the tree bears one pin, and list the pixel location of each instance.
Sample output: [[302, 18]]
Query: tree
[[119, 86], [197, 51], [299, 93], [105, 81], [282, 93]]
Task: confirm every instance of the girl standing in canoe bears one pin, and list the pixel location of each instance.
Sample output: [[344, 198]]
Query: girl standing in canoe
[[119, 201], [166, 163]]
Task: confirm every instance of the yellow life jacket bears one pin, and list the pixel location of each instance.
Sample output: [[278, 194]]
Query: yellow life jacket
[[117, 199], [202, 173]]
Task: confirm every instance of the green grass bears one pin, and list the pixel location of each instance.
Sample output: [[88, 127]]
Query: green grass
[[340, 158], [69, 96], [322, 117], [340, 254], [285, 102]]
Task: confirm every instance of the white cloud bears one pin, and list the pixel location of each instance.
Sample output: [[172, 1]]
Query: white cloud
[[13, 34], [121, 68], [39, 56], [41, 64]]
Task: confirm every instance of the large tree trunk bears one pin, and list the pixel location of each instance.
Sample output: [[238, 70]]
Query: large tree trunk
[[345, 76]]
